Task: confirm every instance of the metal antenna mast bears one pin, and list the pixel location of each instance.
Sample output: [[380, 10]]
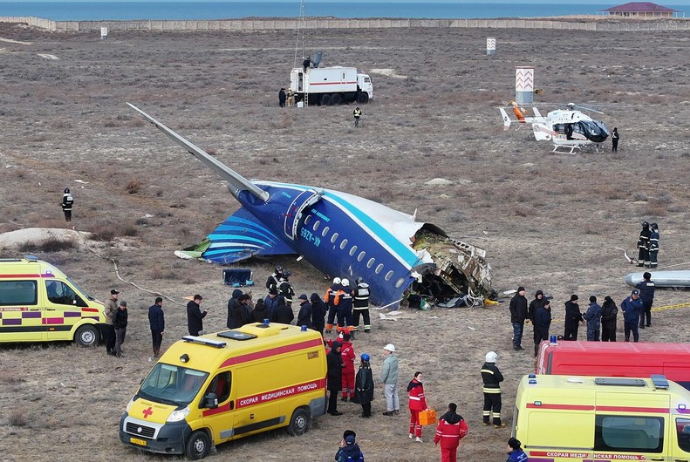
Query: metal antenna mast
[[301, 34]]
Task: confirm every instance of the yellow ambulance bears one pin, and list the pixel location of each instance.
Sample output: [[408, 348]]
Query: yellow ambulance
[[220, 387], [39, 303], [564, 418]]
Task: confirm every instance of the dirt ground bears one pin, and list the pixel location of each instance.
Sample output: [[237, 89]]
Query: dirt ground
[[557, 222]]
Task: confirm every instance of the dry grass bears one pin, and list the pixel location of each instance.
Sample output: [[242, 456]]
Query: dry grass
[[550, 221]]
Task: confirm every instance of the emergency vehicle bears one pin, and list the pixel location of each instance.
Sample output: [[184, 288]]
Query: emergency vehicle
[[220, 387], [616, 359], [39, 303], [576, 419]]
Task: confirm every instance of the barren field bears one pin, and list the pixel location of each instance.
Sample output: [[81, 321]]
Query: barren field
[[556, 222]]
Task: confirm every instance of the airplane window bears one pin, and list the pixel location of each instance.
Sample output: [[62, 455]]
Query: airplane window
[[361, 255], [353, 250], [370, 263], [343, 244], [399, 283], [379, 268], [334, 238], [325, 231], [317, 223], [389, 275], [307, 220]]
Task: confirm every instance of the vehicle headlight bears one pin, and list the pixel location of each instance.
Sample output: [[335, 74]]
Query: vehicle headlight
[[180, 414], [129, 405]]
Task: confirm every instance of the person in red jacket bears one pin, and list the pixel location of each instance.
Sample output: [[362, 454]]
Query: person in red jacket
[[451, 429], [417, 402], [349, 356]]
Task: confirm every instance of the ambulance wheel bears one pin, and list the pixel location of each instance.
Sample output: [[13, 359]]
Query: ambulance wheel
[[326, 100], [198, 445], [299, 423], [336, 100], [363, 98], [87, 336]]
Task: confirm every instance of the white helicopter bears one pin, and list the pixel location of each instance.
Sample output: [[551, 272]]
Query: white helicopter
[[567, 129]]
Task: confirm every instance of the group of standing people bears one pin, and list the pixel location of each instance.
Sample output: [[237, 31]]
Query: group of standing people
[[601, 320], [286, 97], [648, 246], [348, 305]]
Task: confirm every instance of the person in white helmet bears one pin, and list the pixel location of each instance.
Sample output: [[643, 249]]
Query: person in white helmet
[[343, 304], [389, 380], [492, 379], [329, 298]]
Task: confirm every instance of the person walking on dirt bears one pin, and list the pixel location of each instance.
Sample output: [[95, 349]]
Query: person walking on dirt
[[450, 430], [334, 377], [492, 379], [357, 113], [416, 403], [195, 316], [282, 97], [290, 97], [67, 202], [615, 137], [631, 308], [120, 325]]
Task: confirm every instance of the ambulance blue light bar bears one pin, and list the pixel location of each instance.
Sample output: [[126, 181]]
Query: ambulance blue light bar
[[204, 341], [659, 381]]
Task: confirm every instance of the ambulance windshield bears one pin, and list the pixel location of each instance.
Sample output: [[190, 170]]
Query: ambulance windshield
[[174, 385]]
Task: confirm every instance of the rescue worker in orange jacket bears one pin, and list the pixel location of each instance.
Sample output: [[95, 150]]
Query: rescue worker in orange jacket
[[329, 298], [451, 429], [343, 304], [416, 403]]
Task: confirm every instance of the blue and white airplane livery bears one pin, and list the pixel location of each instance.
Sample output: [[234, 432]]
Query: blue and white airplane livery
[[340, 234]]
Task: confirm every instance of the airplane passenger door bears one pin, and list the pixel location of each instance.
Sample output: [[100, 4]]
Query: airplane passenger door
[[296, 210]]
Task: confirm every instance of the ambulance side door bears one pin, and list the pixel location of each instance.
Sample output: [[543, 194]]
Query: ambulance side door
[[61, 310], [220, 419], [680, 438], [20, 312]]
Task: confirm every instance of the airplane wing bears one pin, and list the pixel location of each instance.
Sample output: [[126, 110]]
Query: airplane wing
[[239, 237]]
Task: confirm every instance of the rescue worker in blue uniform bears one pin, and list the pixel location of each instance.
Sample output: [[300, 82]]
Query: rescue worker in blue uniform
[[654, 246], [646, 288], [643, 245], [631, 308], [361, 305], [593, 318], [515, 452]]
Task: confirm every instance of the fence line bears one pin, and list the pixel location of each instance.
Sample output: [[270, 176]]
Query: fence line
[[590, 23]]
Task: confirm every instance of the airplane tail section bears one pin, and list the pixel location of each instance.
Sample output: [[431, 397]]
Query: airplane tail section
[[239, 237], [237, 181]]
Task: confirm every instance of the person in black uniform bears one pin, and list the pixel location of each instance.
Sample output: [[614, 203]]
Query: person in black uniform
[[646, 288], [573, 318], [67, 202], [273, 280], [318, 312], [361, 305], [334, 362], [195, 316], [542, 322], [614, 139], [654, 246], [492, 379], [609, 318], [518, 314], [643, 245], [306, 64], [282, 97]]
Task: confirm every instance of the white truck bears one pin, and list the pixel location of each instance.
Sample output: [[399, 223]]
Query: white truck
[[330, 86]]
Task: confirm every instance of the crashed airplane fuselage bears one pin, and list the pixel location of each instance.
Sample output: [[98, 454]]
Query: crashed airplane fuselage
[[338, 233]]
